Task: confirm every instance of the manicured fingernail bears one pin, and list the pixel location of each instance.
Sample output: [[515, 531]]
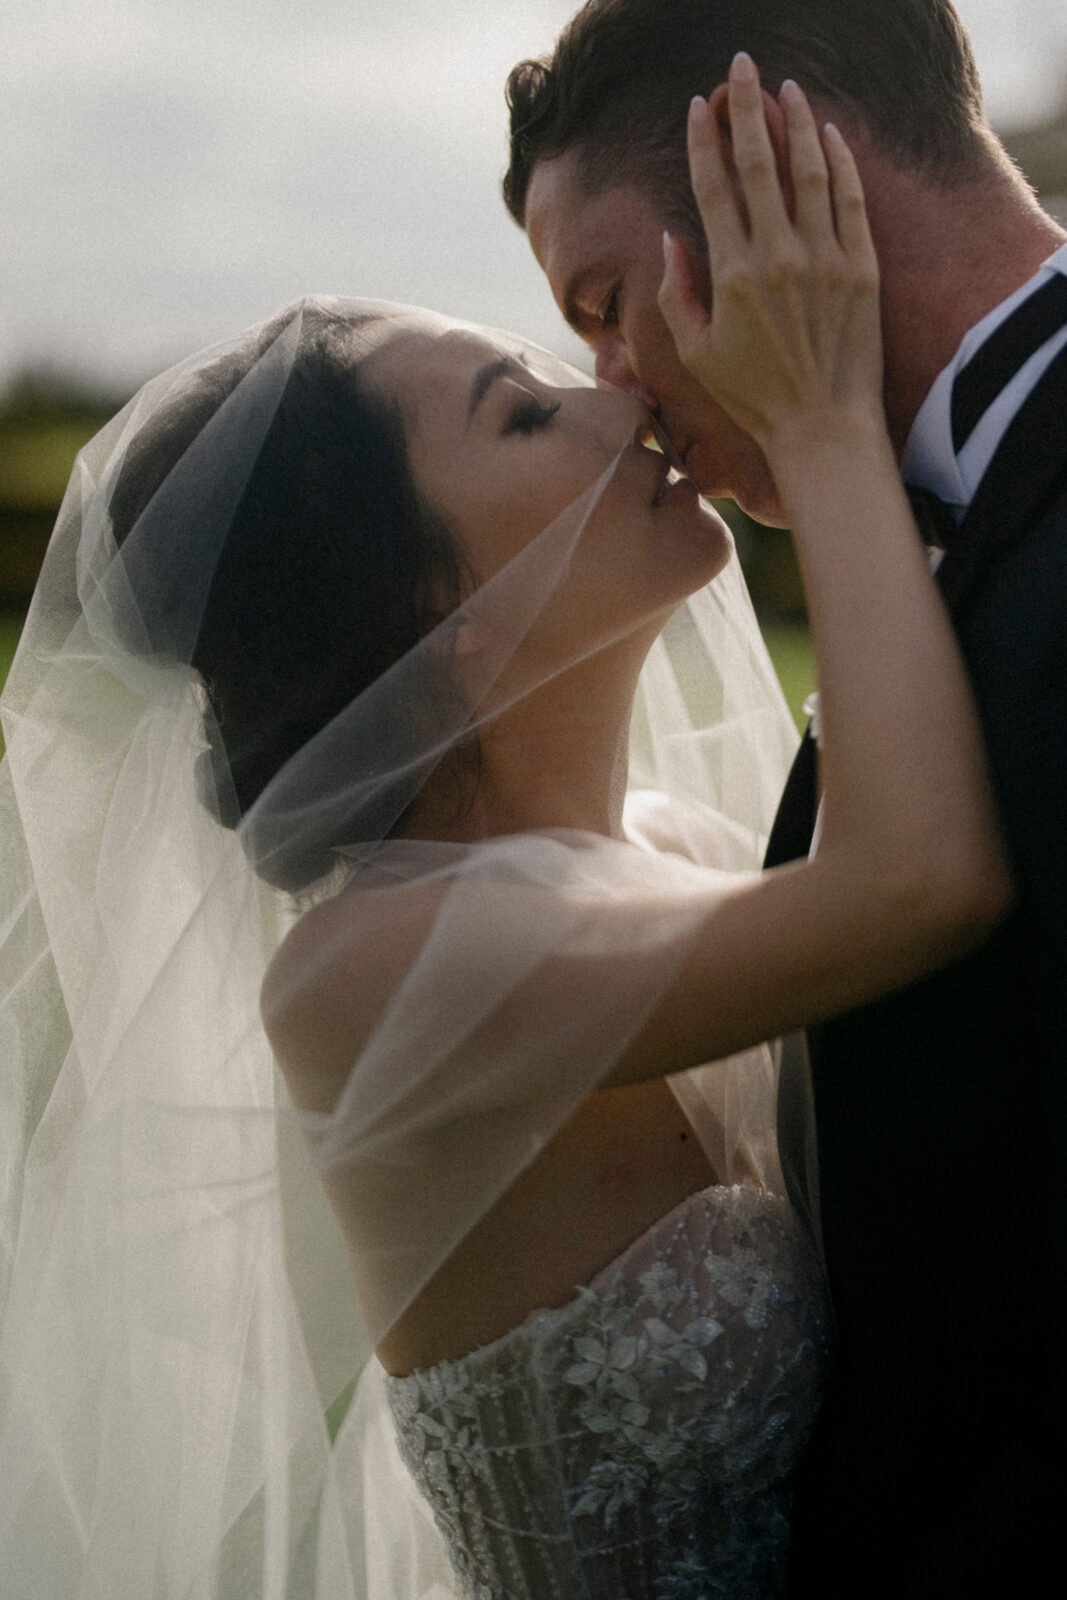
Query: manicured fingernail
[[790, 89], [743, 65], [698, 108], [833, 133]]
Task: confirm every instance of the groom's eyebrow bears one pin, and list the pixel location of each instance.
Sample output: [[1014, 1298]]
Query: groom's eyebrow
[[485, 377]]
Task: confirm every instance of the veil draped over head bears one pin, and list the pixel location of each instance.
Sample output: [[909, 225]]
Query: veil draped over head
[[177, 1310]]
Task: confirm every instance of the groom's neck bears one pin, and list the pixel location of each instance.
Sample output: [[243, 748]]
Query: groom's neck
[[947, 255]]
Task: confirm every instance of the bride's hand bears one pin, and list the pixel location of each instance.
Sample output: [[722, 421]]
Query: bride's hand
[[794, 333]]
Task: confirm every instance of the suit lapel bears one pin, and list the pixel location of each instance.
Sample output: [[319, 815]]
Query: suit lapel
[[795, 819], [1028, 468]]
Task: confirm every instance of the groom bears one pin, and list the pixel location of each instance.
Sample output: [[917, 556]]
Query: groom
[[937, 1466]]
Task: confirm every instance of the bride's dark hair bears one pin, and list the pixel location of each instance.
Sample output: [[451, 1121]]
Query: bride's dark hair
[[331, 569]]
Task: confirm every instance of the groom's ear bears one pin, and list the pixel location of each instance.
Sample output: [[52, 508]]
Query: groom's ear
[[720, 110]]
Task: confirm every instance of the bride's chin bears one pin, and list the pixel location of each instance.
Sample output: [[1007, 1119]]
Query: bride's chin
[[703, 545]]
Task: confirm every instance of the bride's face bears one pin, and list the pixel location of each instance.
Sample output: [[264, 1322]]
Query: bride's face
[[503, 437]]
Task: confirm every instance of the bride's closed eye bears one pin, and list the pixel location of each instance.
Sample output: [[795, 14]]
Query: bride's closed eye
[[529, 415]]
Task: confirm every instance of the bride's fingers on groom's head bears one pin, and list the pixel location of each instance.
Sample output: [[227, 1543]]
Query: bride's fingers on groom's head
[[719, 104], [755, 158], [850, 207], [684, 313], [715, 189], [807, 165]]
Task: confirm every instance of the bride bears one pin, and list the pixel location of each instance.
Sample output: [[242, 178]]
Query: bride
[[384, 673]]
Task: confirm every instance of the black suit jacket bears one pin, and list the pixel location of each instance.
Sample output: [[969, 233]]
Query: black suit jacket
[[937, 1464]]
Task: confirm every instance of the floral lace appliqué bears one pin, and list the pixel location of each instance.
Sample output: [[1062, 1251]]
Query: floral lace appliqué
[[636, 1443]]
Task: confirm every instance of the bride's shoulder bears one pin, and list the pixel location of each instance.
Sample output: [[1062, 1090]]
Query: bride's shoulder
[[333, 976]]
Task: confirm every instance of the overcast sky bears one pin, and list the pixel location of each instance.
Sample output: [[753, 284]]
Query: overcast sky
[[173, 170]]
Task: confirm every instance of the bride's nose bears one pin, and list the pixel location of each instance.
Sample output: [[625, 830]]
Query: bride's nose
[[616, 417], [612, 366]]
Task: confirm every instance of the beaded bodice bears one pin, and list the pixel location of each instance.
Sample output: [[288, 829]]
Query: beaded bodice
[[636, 1443]]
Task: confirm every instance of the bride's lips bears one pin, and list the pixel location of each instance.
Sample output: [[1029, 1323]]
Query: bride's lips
[[676, 491]]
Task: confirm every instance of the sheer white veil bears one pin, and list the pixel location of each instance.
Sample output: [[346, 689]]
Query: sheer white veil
[[178, 1312]]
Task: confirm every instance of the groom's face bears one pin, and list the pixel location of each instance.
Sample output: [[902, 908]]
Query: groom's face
[[603, 256]]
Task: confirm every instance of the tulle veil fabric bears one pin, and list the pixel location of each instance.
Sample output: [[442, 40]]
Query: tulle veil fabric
[[178, 1310]]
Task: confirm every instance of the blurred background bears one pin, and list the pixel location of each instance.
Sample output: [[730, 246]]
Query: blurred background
[[172, 172]]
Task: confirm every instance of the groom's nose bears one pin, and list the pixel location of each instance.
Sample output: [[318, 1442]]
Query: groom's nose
[[612, 365]]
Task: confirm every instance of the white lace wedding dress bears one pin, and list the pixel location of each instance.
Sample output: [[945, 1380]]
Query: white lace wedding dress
[[636, 1443]]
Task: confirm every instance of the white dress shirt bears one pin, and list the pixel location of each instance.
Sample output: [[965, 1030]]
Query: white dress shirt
[[930, 461]]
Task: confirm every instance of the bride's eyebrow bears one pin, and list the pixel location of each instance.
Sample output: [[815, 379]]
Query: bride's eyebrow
[[485, 377]]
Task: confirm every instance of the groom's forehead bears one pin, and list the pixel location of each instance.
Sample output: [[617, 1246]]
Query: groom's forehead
[[574, 233]]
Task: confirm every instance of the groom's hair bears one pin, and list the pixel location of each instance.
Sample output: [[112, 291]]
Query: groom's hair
[[617, 88]]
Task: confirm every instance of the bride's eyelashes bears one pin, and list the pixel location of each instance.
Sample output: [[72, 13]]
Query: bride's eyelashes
[[529, 415]]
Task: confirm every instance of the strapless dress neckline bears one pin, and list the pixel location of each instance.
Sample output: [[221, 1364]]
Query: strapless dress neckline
[[635, 1443]]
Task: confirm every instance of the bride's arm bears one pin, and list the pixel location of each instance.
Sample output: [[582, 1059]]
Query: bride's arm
[[911, 870]]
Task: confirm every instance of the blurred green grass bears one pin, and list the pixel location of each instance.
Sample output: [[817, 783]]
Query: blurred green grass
[[36, 456], [788, 642], [10, 628], [794, 661]]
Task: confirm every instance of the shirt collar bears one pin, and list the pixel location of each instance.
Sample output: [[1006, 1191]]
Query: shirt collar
[[929, 460]]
